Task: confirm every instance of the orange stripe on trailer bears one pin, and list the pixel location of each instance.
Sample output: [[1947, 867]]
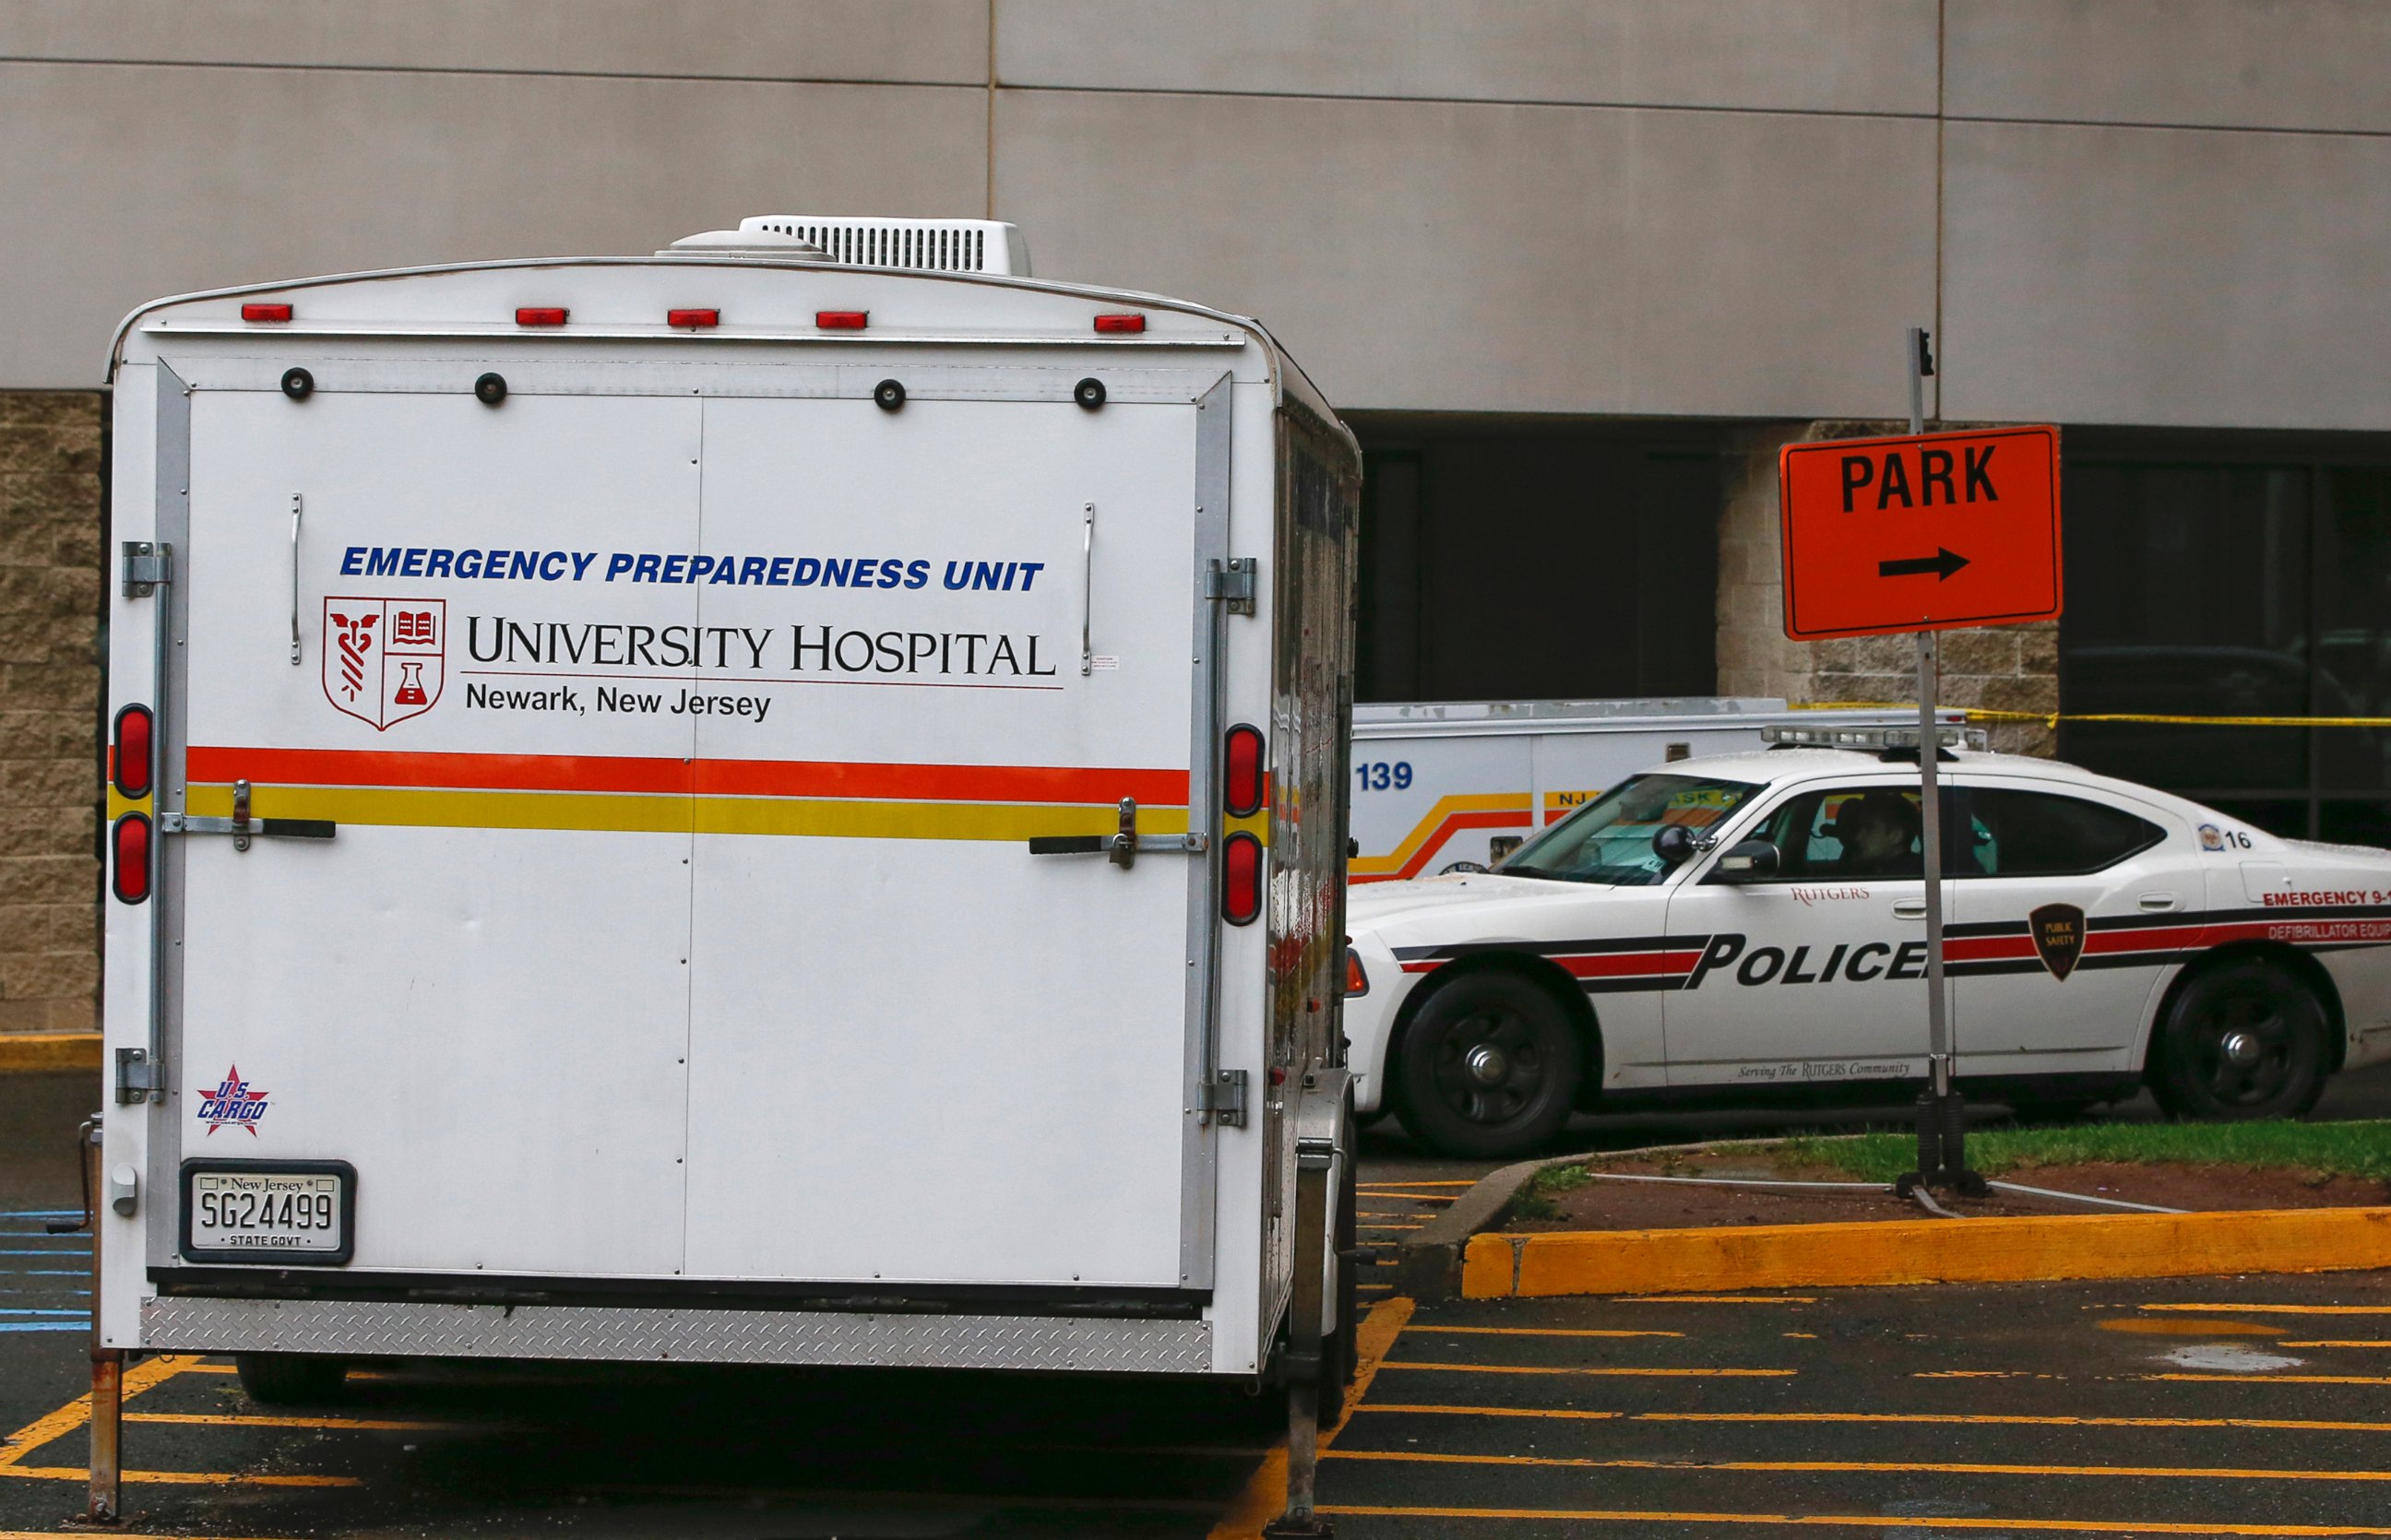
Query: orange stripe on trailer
[[675, 777]]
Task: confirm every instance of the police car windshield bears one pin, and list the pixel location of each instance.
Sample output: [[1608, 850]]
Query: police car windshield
[[1610, 839]]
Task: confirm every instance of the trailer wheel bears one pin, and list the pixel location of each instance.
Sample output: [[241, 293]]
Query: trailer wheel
[[290, 1378], [1489, 1067]]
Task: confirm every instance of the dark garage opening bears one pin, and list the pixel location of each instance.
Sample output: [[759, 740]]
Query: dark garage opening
[[1506, 561], [2233, 575]]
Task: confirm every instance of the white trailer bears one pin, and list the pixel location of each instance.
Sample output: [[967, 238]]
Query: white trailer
[[729, 806], [1446, 785]]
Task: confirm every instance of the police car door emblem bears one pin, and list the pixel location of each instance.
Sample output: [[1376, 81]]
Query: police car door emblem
[[2058, 936], [384, 659]]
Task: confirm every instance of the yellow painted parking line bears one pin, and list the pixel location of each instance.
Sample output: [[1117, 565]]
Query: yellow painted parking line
[[2239, 1309], [2189, 1325], [1382, 1213], [229, 1368], [176, 1478], [1607, 1372], [1531, 1332], [1961, 1419], [916, 1499], [1384, 1227], [1718, 1299], [2276, 1378], [1834, 1520], [363, 1424], [146, 1375], [2360, 1343], [1872, 1467]]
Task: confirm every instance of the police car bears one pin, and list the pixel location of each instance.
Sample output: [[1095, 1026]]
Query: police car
[[1755, 923]]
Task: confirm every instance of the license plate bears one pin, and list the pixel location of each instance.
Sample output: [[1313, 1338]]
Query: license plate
[[296, 1211]]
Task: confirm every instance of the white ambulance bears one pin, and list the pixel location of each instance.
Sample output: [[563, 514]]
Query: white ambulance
[[774, 803]]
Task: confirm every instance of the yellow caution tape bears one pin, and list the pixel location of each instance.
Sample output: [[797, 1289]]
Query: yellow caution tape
[[2052, 719]]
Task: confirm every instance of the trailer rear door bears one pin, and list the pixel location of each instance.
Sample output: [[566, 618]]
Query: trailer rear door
[[918, 1052], [476, 992]]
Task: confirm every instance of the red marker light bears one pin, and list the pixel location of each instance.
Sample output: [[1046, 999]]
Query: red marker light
[[1356, 981], [265, 312], [695, 319], [1121, 325], [1241, 879], [842, 320], [129, 842], [1241, 790], [131, 770], [540, 316]]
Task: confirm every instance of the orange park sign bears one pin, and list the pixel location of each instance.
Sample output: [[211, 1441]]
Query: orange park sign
[[1930, 531]]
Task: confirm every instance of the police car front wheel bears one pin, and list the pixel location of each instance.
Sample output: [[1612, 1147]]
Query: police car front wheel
[[1489, 1067], [2243, 1039]]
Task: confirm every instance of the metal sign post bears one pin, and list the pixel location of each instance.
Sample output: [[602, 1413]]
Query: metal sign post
[[1942, 1112], [1916, 534]]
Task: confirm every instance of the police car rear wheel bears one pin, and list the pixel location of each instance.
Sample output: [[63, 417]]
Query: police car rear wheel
[[1489, 1067], [2242, 1040]]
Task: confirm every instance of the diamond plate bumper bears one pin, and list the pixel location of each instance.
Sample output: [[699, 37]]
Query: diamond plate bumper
[[615, 1334]]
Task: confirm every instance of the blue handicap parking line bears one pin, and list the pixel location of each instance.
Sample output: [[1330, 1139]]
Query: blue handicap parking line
[[22, 1310], [44, 1326], [41, 1213], [53, 1254], [44, 1272]]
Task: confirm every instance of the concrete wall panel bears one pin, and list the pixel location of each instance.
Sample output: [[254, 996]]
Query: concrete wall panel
[[1463, 257], [2166, 276], [179, 179], [1817, 55], [927, 41], [2315, 64]]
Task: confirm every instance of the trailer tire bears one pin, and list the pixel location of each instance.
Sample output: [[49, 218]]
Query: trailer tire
[[290, 1378], [1489, 1067]]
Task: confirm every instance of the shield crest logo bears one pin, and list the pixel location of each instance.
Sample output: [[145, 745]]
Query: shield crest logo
[[2058, 937], [384, 659]]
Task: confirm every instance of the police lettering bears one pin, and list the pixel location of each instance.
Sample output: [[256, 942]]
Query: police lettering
[[1754, 966]]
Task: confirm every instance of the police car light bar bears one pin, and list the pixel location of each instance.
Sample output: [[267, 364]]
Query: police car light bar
[[1872, 740]]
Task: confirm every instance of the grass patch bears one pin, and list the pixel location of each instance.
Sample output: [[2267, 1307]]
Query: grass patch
[[1534, 1199], [2361, 1149]]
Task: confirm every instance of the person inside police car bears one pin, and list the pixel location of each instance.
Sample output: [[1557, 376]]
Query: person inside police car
[[1879, 832]]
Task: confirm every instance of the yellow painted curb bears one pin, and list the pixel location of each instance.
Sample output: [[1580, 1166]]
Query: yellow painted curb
[[1934, 1250], [48, 1050]]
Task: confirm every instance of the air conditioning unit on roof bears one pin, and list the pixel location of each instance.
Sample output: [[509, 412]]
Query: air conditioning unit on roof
[[930, 245]]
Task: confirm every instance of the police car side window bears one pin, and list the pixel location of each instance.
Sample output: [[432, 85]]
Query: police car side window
[[2040, 834], [1846, 832]]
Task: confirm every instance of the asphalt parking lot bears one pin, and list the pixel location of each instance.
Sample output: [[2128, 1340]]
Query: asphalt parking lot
[[2019, 1409]]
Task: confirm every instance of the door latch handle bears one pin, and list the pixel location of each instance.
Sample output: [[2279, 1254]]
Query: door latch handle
[[243, 827], [1122, 849], [1909, 908], [2156, 903]]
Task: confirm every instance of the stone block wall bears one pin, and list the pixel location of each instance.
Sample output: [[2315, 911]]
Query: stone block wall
[[50, 572], [2001, 668]]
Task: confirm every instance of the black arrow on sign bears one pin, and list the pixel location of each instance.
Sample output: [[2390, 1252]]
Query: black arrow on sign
[[1943, 563]]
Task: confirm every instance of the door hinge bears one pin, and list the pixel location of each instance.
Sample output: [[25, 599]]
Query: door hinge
[[138, 1077], [1224, 1097], [146, 565], [1233, 583]]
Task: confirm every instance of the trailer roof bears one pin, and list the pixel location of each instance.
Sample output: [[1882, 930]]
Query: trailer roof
[[1287, 377]]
